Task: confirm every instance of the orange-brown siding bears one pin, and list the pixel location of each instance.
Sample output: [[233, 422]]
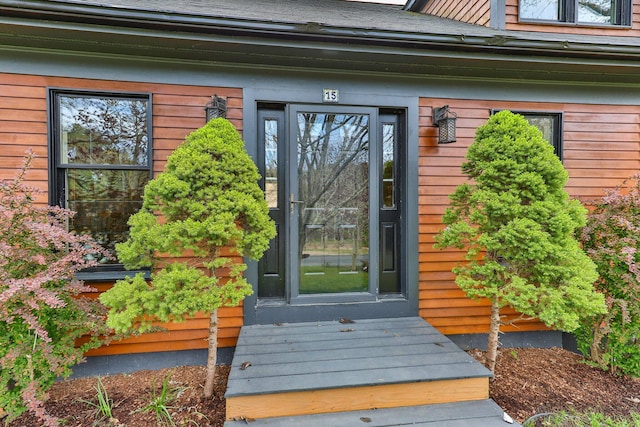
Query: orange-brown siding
[[513, 24], [473, 12], [177, 110], [601, 148]]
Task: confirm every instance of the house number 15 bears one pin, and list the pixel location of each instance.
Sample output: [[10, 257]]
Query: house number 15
[[330, 96]]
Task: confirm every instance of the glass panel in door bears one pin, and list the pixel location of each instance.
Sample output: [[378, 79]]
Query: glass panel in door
[[331, 204]]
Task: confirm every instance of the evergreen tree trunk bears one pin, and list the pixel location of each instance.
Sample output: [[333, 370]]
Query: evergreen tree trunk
[[212, 356], [494, 331]]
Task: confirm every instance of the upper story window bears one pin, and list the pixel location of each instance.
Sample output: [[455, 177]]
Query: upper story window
[[587, 12], [100, 161]]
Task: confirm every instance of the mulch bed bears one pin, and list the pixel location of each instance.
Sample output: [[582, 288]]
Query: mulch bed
[[527, 382]]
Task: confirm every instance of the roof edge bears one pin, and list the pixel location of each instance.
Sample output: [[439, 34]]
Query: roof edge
[[44, 13]]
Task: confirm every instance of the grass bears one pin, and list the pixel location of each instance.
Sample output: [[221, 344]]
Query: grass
[[103, 404], [590, 419], [160, 402], [332, 280]]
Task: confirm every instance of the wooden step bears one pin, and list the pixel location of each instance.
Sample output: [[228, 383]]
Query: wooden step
[[482, 413], [329, 367]]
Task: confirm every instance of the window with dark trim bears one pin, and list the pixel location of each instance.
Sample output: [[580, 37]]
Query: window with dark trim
[[100, 161], [587, 12], [550, 124]]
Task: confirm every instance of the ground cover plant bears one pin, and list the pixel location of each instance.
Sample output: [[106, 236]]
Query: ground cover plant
[[199, 217], [42, 310], [586, 419], [518, 227], [612, 239]]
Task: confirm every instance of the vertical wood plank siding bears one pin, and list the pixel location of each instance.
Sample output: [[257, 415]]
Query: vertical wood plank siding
[[472, 12], [177, 110], [512, 23], [601, 148]]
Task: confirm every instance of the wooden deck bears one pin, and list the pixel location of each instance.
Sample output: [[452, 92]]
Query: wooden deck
[[327, 373]]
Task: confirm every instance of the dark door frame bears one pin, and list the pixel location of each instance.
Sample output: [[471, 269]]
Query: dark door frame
[[260, 311]]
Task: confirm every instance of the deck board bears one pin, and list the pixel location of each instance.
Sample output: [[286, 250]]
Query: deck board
[[343, 378], [352, 364], [316, 355], [483, 413], [352, 353], [338, 369]]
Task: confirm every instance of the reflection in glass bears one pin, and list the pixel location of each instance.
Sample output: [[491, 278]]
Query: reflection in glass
[[103, 155], [103, 131], [388, 165], [333, 185], [103, 201], [596, 11], [544, 123], [271, 162], [540, 9]]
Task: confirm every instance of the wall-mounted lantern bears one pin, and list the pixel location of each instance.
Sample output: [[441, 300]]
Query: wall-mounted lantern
[[446, 122], [217, 107]]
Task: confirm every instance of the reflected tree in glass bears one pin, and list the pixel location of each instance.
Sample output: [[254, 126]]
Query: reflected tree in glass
[[104, 149], [333, 185], [540, 9]]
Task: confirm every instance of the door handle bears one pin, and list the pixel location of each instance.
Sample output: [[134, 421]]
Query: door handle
[[293, 201]]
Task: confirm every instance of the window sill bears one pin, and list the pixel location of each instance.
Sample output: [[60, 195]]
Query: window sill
[[107, 276]]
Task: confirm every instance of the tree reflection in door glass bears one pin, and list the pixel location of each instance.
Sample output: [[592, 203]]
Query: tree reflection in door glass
[[333, 218]]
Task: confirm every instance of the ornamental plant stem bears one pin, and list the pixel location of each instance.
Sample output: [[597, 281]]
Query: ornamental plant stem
[[212, 356], [42, 308]]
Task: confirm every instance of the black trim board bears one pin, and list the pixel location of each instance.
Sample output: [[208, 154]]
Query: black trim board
[[124, 363]]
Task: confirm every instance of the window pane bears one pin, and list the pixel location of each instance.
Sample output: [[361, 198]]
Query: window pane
[[388, 165], [103, 201], [103, 130], [540, 9], [596, 11], [333, 218], [549, 125], [545, 124], [271, 162]]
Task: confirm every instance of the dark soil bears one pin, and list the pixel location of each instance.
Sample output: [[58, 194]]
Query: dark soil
[[130, 393], [527, 381], [534, 381]]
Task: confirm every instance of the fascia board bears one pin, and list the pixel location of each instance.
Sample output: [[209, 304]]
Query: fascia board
[[474, 39]]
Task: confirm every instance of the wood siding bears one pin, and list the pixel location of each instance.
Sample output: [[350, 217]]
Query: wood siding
[[473, 12], [177, 110], [513, 24], [601, 148]]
